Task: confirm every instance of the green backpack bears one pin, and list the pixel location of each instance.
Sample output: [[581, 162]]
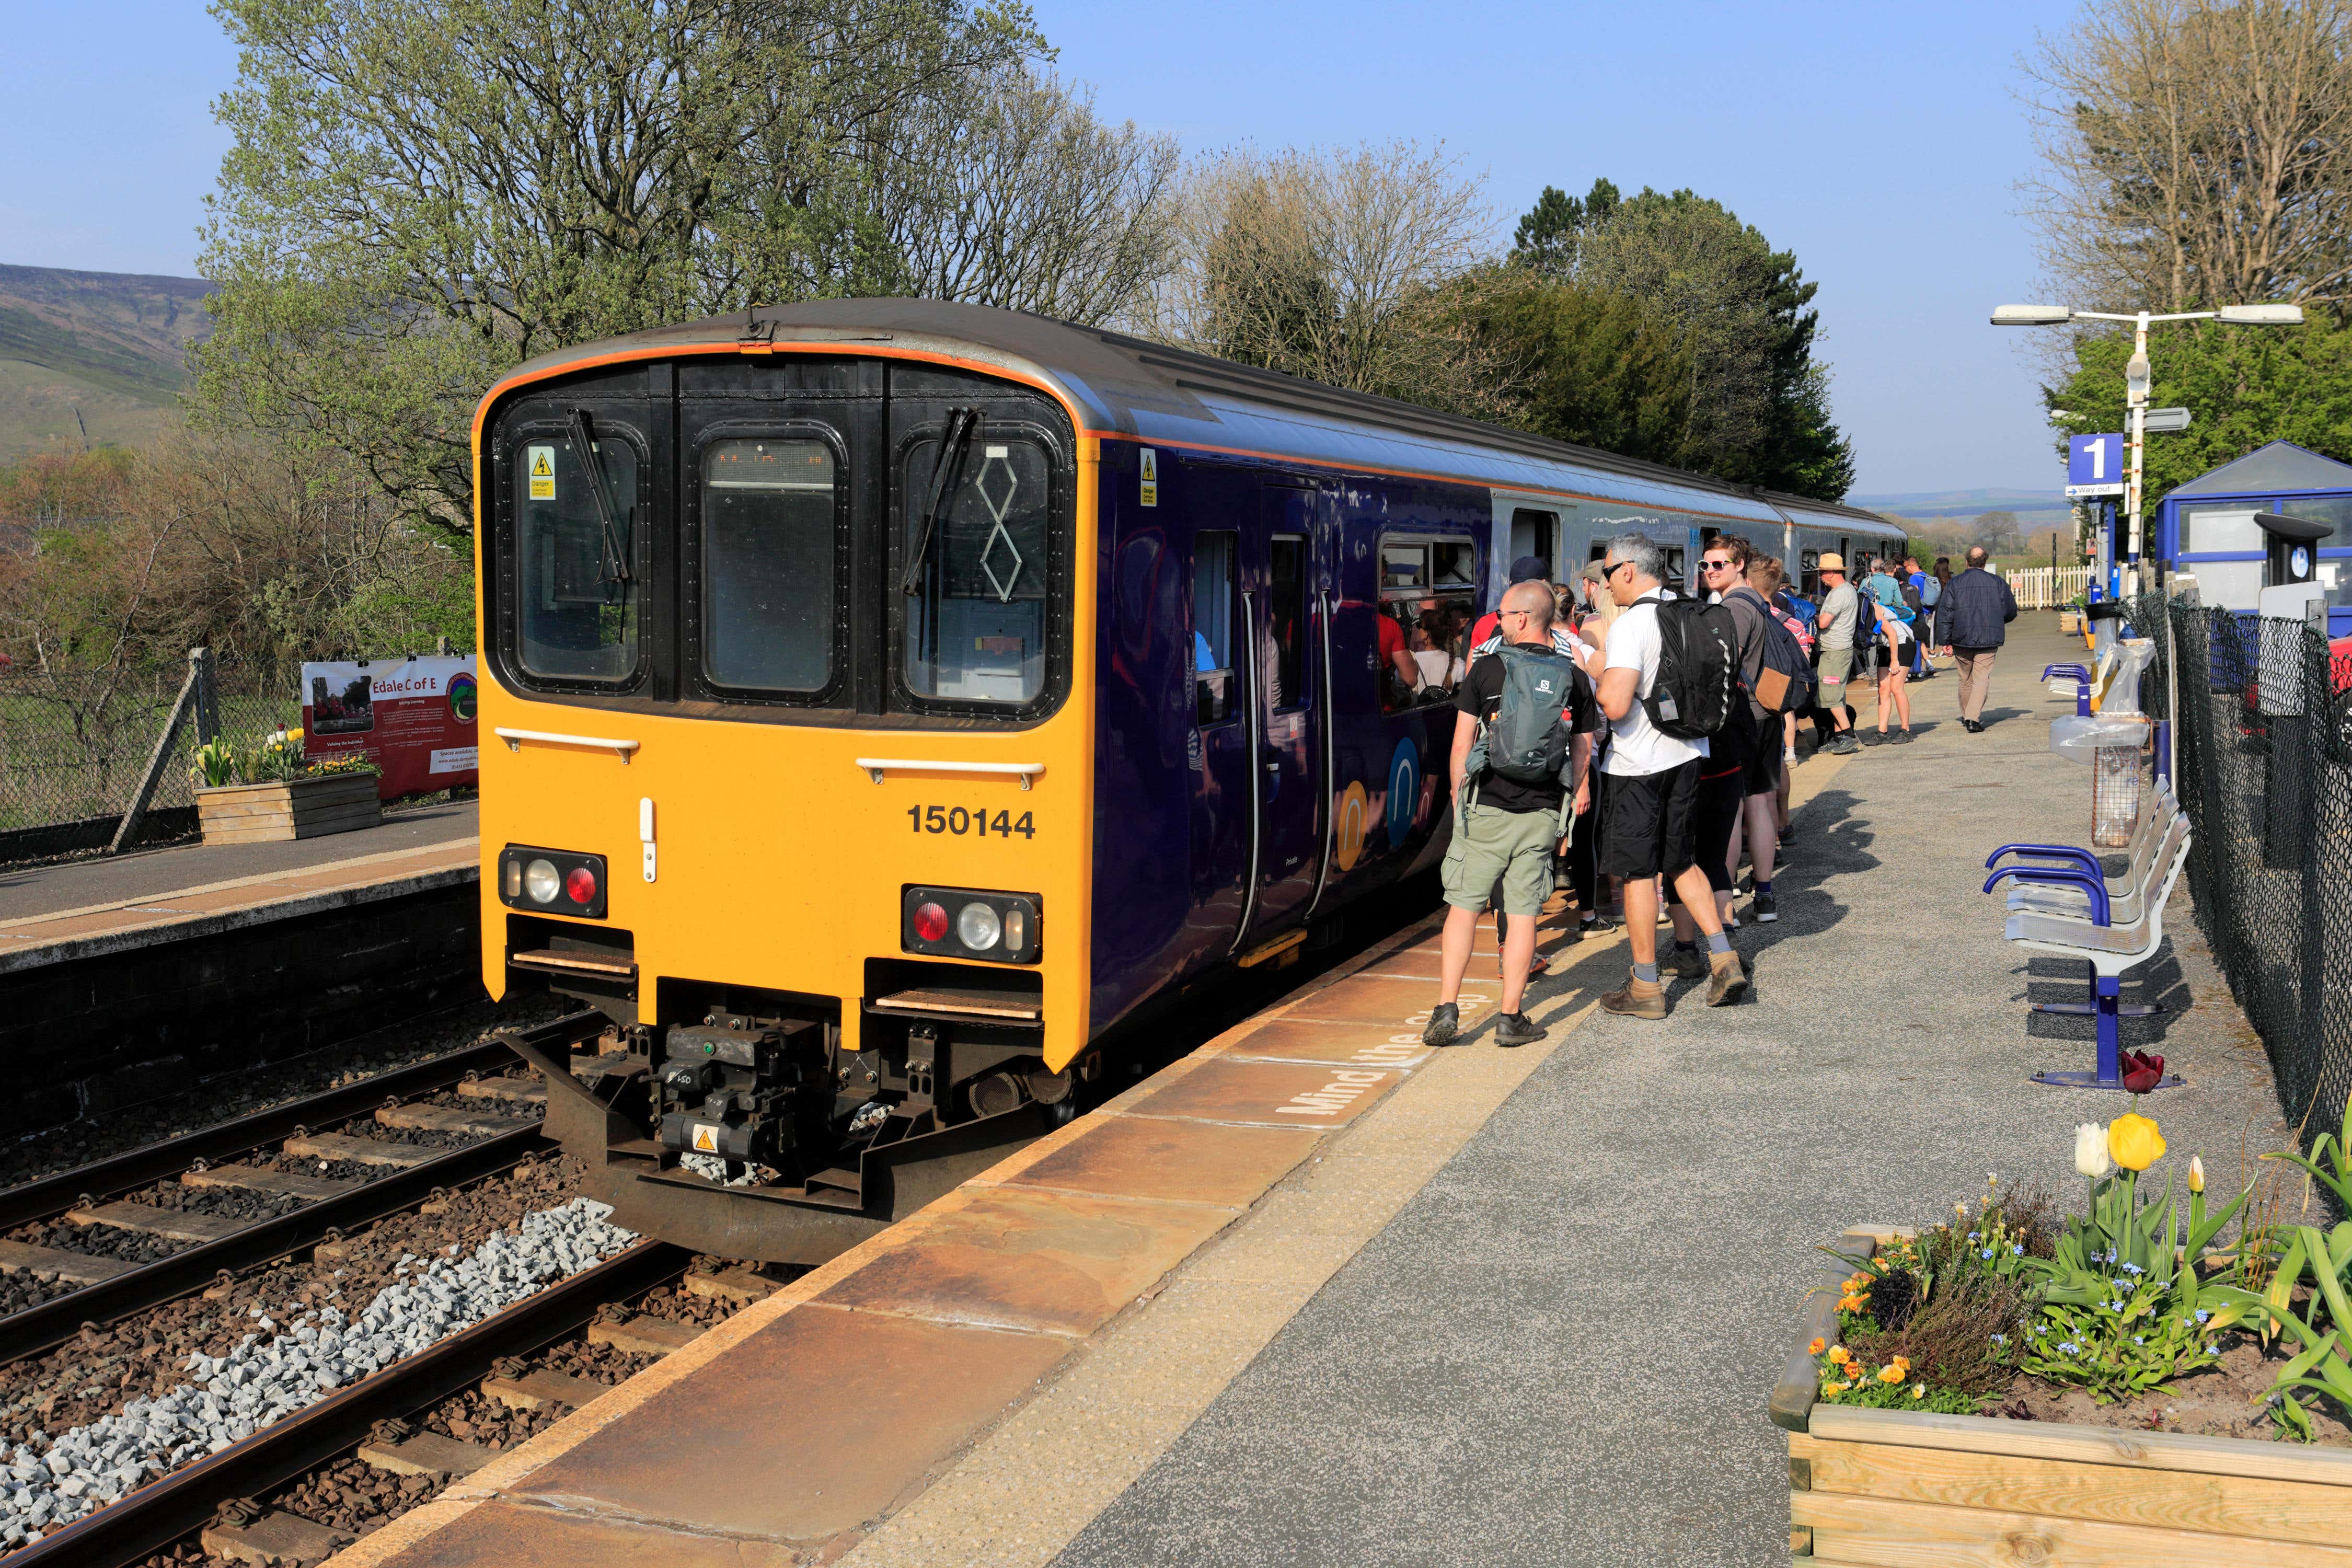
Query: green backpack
[[1526, 740]]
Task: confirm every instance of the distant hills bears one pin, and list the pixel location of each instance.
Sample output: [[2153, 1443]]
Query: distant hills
[[111, 346], [2035, 508]]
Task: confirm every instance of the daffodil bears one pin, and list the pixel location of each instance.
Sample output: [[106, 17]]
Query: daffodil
[[2135, 1141]]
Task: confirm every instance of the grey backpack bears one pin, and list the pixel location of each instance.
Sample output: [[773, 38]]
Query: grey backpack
[[1526, 740]]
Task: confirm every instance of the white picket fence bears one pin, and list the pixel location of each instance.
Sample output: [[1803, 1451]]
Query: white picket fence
[[2047, 587]]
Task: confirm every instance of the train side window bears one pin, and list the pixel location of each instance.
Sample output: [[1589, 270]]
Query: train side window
[[768, 510], [976, 621], [1213, 555], [576, 583], [1287, 608], [1535, 533]]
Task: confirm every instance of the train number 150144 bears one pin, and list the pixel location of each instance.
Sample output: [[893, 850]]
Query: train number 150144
[[958, 821]]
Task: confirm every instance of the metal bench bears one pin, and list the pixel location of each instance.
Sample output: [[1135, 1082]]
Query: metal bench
[[2107, 945]]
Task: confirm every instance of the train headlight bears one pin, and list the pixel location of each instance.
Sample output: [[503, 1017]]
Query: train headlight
[[551, 882], [998, 928], [977, 927]]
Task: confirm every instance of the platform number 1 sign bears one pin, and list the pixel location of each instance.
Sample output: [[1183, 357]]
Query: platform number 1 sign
[[1148, 493], [2094, 466]]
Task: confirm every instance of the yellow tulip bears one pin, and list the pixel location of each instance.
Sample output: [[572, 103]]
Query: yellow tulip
[[2134, 1142], [2196, 1175]]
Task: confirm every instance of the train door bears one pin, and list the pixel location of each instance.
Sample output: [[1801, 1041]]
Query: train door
[[1281, 603]]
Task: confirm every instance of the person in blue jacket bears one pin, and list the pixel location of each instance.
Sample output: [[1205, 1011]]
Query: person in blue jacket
[[1972, 618]]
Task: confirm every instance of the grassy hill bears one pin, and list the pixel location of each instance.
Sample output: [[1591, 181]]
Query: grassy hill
[[109, 346]]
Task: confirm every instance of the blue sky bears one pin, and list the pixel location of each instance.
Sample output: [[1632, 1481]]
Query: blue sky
[[1883, 143]]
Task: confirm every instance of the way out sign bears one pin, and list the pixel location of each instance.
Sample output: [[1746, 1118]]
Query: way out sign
[[2094, 466]]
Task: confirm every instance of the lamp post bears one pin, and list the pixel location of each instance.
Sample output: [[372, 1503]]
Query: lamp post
[[2136, 378]]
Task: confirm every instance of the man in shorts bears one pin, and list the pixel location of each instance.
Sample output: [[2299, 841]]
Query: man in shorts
[[1841, 608], [1650, 805], [1503, 831]]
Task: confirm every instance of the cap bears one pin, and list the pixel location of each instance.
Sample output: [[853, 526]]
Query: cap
[[1833, 562], [1593, 573], [1530, 568]]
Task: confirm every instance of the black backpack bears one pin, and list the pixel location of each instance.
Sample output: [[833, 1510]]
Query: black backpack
[[1785, 655], [1698, 672]]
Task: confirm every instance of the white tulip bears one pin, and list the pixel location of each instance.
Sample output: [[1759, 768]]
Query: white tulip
[[2091, 1151]]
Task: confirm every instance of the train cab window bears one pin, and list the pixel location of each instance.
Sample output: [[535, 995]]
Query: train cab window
[[1286, 612], [575, 562], [1212, 627], [768, 527], [975, 628]]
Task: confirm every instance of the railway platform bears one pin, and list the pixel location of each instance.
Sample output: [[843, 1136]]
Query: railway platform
[[1318, 1295]]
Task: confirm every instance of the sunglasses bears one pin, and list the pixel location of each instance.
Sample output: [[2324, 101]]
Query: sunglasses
[[1717, 565]]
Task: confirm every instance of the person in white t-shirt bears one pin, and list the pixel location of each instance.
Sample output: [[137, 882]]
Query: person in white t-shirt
[[1649, 820]]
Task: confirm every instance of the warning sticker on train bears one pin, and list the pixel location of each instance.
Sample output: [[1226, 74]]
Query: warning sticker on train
[[1149, 495], [706, 1137], [542, 473]]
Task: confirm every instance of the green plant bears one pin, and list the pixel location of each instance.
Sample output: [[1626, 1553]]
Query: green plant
[[217, 763], [2330, 1162]]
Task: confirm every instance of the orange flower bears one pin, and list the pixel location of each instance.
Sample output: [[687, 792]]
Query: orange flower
[[1839, 1354], [1892, 1374], [1902, 1360], [1815, 1348], [1834, 1388]]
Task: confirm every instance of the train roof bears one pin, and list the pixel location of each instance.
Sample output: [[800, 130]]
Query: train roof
[[1128, 387]]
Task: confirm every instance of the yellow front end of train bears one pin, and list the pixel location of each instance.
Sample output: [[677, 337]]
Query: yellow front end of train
[[833, 927]]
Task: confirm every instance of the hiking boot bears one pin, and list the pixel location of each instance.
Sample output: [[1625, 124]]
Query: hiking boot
[[1845, 745], [1514, 1029], [1727, 980], [1900, 737], [1684, 965], [1639, 999], [1764, 909], [1445, 1023]]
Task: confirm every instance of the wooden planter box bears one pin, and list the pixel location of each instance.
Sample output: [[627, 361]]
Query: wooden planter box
[[2069, 622], [297, 808], [1891, 1487]]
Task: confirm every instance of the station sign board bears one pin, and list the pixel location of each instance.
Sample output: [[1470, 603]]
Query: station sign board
[[413, 718], [2094, 466]]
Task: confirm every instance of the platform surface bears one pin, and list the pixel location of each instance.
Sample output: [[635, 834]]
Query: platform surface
[[142, 895], [1317, 1295]]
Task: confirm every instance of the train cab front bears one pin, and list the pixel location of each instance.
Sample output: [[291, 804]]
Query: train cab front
[[784, 776]]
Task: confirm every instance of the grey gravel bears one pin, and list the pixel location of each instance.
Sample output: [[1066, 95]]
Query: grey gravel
[[294, 1357]]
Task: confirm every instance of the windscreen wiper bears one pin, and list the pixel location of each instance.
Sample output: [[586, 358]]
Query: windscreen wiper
[[961, 422], [614, 552]]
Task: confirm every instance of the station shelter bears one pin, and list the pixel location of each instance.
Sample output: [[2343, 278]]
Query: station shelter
[[2205, 528]]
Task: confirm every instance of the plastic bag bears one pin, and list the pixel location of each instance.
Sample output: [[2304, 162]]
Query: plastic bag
[[2114, 685], [2078, 736]]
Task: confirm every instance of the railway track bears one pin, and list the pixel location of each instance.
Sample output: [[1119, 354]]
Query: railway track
[[384, 1179], [214, 1497]]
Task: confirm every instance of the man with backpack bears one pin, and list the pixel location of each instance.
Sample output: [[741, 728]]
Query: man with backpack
[[1776, 679], [1667, 681], [1519, 755], [1841, 615]]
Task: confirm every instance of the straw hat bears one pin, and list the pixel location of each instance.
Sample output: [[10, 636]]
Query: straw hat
[[1833, 562]]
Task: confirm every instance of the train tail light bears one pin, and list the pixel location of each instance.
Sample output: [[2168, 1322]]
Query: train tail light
[[551, 882], [967, 923]]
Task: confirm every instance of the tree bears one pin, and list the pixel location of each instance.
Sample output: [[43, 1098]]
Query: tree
[[422, 194], [2198, 154], [1350, 268], [2245, 386], [1586, 366], [1757, 402], [1997, 532]]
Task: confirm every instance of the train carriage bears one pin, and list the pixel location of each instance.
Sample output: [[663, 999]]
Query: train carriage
[[892, 703]]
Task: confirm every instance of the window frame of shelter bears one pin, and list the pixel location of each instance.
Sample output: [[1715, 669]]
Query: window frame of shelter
[[1213, 689], [626, 603], [711, 564]]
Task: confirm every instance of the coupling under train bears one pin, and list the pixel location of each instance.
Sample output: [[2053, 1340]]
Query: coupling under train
[[888, 700]]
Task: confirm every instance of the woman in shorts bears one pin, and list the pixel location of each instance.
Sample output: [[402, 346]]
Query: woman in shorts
[[1890, 653]]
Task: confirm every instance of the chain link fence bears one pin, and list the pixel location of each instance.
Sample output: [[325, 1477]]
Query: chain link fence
[[2264, 771], [77, 746]]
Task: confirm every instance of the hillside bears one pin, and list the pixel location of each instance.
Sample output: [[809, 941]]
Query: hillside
[[110, 346]]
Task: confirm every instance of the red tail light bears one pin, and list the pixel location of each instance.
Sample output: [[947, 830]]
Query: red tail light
[[581, 885], [930, 923]]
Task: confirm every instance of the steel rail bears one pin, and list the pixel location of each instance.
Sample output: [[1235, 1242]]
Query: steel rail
[[164, 1510], [54, 1321], [52, 1195]]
